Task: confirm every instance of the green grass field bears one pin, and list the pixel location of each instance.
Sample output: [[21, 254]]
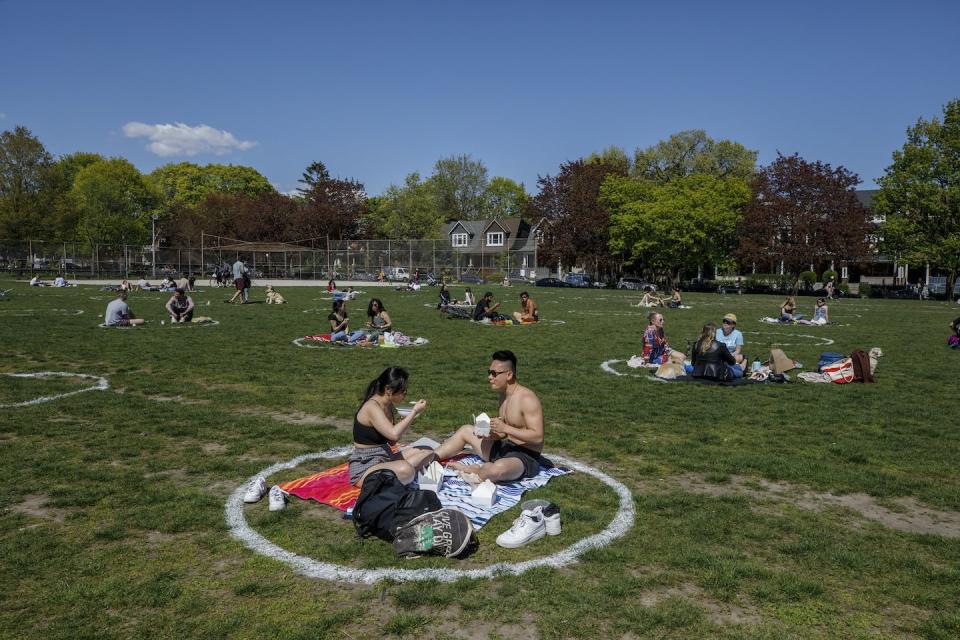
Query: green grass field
[[768, 511]]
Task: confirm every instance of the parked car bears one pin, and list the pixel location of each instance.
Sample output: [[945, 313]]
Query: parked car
[[636, 284], [578, 280], [397, 274], [471, 278], [551, 282]]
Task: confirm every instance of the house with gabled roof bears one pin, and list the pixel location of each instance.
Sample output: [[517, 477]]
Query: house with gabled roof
[[500, 244]]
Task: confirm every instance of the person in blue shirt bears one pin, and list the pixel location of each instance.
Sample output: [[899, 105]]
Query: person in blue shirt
[[729, 335]]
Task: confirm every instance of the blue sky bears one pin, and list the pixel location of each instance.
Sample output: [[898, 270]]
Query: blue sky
[[379, 89]]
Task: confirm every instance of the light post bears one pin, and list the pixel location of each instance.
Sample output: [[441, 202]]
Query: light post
[[153, 243]]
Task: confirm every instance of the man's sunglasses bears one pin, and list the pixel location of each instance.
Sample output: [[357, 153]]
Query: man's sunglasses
[[491, 372]]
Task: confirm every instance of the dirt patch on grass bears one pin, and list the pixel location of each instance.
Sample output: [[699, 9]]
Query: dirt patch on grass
[[721, 613], [300, 418], [214, 447], [908, 514], [34, 505]]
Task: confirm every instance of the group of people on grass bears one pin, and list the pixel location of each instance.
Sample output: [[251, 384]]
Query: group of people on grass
[[717, 353], [180, 308], [378, 323], [511, 451], [788, 314]]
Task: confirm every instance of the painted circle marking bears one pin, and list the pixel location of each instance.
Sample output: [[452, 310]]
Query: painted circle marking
[[302, 342], [182, 325], [242, 531], [607, 367], [823, 342], [101, 385], [26, 313]]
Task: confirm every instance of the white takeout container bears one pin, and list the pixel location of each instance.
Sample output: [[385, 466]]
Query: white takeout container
[[484, 494], [481, 425], [431, 478]]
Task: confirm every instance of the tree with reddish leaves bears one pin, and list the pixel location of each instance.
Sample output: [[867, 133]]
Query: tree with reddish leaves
[[803, 213], [576, 228], [332, 208]]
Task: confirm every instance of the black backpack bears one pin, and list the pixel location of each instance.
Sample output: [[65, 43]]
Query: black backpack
[[386, 504]]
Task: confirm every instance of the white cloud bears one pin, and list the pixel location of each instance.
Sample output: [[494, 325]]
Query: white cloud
[[180, 139]]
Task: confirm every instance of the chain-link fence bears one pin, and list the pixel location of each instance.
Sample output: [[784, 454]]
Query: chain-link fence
[[346, 259]]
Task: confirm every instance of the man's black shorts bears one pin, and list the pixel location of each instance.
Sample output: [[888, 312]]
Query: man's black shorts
[[507, 449]]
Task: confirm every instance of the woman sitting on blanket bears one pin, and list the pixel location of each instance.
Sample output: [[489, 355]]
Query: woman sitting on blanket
[[711, 358], [468, 298], [378, 323], [787, 310], [656, 349], [376, 429], [444, 296], [339, 322], [821, 314], [675, 300]]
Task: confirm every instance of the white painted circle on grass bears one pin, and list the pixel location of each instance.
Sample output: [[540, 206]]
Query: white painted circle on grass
[[27, 313], [317, 344], [101, 384], [242, 531], [822, 341], [607, 366], [529, 324], [181, 325]]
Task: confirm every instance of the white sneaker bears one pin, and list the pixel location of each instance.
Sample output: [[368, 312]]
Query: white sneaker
[[551, 518], [256, 490], [278, 499], [527, 528]]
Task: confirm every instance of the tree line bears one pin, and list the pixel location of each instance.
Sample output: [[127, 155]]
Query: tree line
[[684, 203]]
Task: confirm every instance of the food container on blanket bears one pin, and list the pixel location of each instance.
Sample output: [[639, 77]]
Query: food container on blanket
[[484, 494], [481, 425], [431, 478]]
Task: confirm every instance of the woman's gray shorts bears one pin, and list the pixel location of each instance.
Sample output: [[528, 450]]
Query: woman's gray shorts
[[363, 458]]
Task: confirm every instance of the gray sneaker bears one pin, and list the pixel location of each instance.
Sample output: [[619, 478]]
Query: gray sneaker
[[551, 518], [445, 532]]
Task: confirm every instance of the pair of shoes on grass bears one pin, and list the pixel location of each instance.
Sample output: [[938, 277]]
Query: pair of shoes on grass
[[258, 488], [531, 525]]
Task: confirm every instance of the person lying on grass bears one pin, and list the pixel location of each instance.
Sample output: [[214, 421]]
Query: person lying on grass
[[528, 309], [118, 314], [656, 349], [180, 307], [513, 447], [376, 429], [711, 358]]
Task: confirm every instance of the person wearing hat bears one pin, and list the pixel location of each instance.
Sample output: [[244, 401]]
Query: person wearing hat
[[729, 335]]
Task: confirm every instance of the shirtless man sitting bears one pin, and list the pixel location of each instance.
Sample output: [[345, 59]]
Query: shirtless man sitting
[[512, 450], [528, 309]]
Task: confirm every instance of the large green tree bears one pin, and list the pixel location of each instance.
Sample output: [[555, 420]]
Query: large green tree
[[188, 183], [114, 202], [920, 194], [690, 152], [408, 211], [460, 184], [25, 174], [685, 223], [505, 198]]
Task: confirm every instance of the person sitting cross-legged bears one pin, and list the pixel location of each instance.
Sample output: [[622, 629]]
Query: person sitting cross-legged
[[118, 314], [656, 349], [528, 309], [512, 450], [729, 335], [711, 359], [180, 307]]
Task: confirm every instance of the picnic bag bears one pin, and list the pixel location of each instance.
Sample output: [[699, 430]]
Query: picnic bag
[[840, 371], [386, 504], [828, 357], [861, 366], [445, 532], [779, 362]]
